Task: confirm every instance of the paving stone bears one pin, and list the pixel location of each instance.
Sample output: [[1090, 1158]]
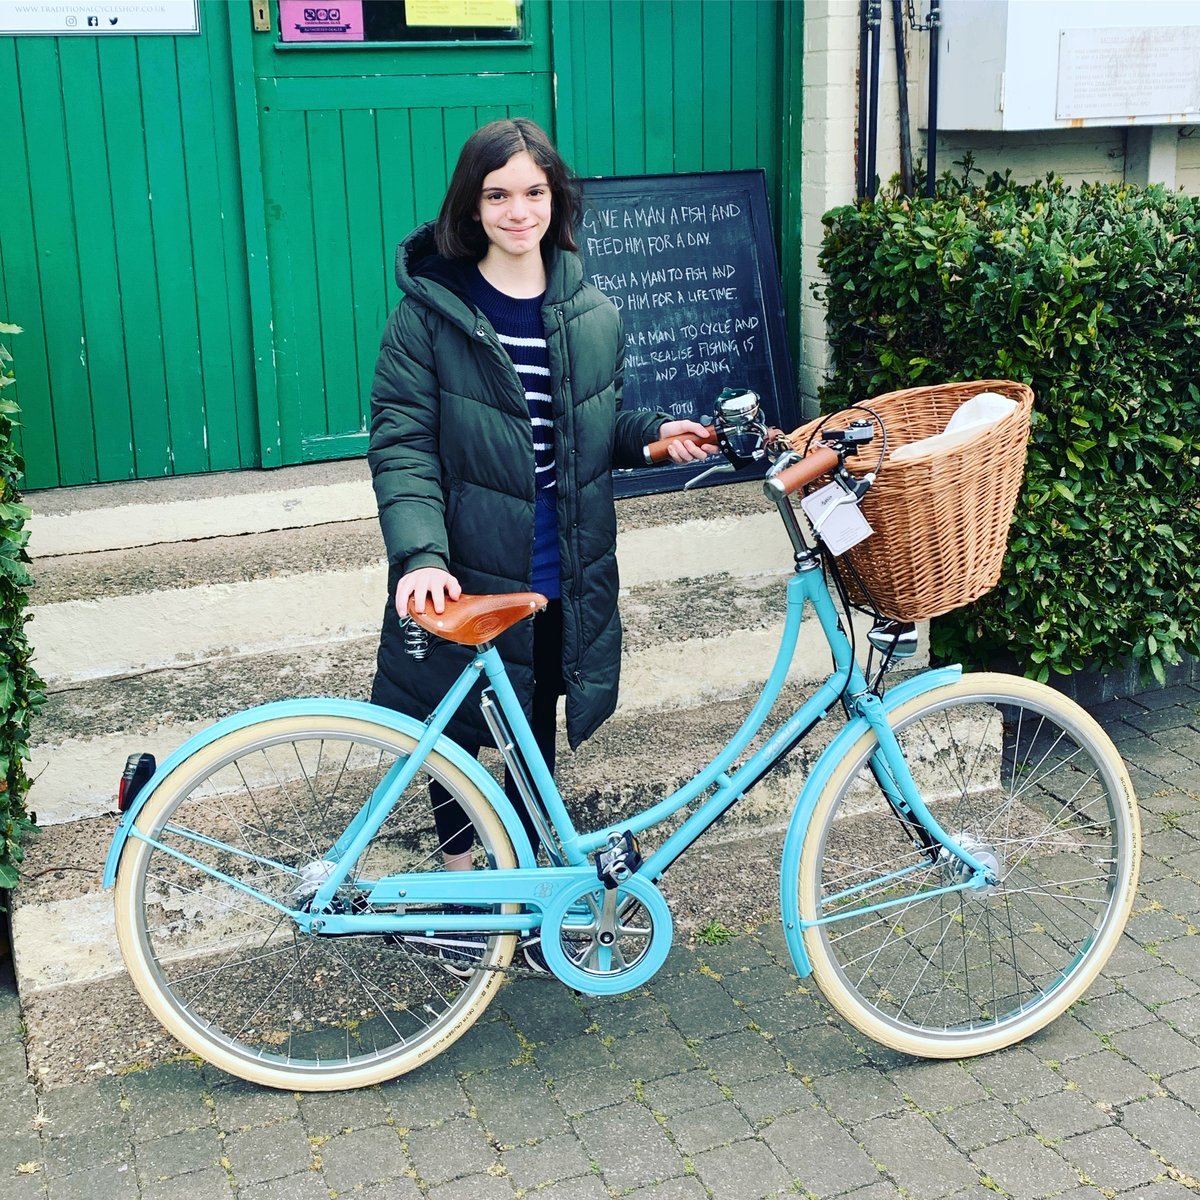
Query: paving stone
[[916, 1156], [363, 1156], [683, 1187], [787, 1013], [974, 1126], [308, 1185], [629, 1145], [512, 1124], [24, 1187], [623, 1015], [1186, 1087], [209, 1184], [1066, 1037], [1025, 1169], [324, 1113], [935, 1086], [1183, 1016], [242, 1105], [1111, 1158], [587, 1187], [84, 1108], [269, 1152], [859, 1096], [1159, 986], [543, 1011], [444, 1152], [593, 1089], [821, 1050], [474, 1187], [819, 1153], [747, 1170], [752, 985], [430, 1094], [1015, 1074], [178, 1154], [736, 1057], [682, 1093], [170, 1096], [485, 1045], [109, 1182], [1108, 1078], [1169, 1128], [652, 1055], [764, 1099], [699, 1006], [1163, 1189], [741, 953], [1157, 1049], [1109, 1014], [1062, 1114], [555, 1159], [83, 1151], [700, 1129]]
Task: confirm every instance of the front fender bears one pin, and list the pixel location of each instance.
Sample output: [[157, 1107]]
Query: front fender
[[833, 754], [357, 709]]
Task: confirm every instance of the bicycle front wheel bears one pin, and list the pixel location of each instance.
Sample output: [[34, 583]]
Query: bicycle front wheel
[[253, 818], [1024, 780]]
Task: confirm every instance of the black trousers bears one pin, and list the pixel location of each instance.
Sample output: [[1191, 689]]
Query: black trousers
[[454, 830]]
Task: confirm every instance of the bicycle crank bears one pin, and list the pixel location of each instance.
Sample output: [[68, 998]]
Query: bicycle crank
[[606, 940]]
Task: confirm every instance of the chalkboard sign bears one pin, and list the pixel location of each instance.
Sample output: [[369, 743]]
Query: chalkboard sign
[[689, 260]]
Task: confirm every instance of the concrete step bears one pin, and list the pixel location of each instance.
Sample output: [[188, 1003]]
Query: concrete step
[[162, 607]]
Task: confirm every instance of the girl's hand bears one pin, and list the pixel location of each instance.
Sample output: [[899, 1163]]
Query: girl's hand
[[685, 449], [426, 583]]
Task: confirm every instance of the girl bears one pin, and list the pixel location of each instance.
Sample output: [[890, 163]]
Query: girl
[[495, 424]]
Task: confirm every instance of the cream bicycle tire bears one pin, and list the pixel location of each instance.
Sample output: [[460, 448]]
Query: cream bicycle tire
[[1065, 835], [234, 784]]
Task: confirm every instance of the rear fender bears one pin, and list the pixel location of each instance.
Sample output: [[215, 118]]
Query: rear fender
[[357, 709]]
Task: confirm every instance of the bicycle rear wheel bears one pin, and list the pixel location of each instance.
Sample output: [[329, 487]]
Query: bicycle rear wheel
[[1022, 778], [233, 977]]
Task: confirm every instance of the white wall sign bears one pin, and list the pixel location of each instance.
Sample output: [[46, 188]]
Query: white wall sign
[[99, 18], [1121, 73]]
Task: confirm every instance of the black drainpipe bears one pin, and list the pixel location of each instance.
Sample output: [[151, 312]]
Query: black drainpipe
[[931, 178], [906, 167], [860, 167], [873, 18]]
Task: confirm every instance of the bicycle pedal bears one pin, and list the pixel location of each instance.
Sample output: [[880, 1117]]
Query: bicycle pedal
[[620, 859]]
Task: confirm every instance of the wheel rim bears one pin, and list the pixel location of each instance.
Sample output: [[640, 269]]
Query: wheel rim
[[236, 976], [1016, 782]]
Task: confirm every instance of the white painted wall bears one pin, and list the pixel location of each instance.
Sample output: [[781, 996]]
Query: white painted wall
[[829, 146]]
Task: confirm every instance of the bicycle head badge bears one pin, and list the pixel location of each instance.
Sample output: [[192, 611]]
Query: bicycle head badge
[[740, 432]]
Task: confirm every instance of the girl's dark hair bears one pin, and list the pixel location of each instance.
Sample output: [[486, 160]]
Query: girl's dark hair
[[459, 234]]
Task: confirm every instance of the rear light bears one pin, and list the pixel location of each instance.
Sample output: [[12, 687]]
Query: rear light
[[138, 769]]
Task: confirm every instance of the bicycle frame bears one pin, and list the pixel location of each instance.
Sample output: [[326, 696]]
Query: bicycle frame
[[519, 897]]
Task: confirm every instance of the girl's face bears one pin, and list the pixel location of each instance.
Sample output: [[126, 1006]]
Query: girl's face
[[514, 207]]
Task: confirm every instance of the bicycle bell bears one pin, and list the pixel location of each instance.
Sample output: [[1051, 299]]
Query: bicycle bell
[[740, 432]]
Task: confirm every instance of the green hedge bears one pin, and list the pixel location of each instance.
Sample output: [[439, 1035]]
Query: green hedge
[[20, 687], [1089, 295]]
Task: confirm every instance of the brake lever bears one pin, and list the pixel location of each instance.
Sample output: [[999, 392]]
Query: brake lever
[[721, 466]]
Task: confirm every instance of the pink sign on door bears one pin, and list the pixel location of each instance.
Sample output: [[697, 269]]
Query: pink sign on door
[[304, 21]]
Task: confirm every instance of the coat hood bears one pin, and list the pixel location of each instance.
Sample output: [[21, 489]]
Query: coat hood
[[441, 283]]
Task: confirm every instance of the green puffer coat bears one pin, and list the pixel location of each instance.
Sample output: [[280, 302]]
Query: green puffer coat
[[451, 455]]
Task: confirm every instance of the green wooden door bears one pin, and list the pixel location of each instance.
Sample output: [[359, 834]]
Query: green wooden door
[[357, 148], [122, 255]]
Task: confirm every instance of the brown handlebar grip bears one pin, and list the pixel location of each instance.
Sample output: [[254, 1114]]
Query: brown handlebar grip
[[656, 452], [812, 466]]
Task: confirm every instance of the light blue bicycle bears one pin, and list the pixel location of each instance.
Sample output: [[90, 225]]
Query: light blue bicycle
[[959, 865]]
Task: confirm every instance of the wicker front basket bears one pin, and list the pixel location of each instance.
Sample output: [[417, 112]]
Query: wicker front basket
[[941, 520]]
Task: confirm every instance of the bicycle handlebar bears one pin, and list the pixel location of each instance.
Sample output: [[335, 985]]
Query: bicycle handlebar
[[656, 452], [813, 465]]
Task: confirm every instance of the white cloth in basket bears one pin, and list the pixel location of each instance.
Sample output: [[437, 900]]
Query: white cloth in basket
[[969, 420]]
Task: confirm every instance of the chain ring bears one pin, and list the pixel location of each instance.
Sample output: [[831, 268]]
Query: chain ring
[[603, 941]]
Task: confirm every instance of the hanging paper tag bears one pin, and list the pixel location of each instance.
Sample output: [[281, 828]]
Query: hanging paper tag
[[836, 518]]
